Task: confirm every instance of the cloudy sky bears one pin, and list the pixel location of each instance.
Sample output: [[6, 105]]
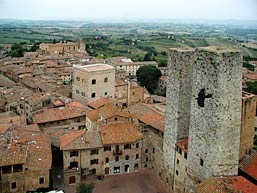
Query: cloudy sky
[[126, 9]]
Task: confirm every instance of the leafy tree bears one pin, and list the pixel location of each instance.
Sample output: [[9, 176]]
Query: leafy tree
[[252, 87], [148, 76], [86, 188], [16, 51]]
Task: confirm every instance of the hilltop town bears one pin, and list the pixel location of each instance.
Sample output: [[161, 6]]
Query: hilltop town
[[68, 118]]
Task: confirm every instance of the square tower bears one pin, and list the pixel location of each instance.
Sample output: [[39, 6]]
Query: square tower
[[214, 133], [93, 82], [178, 106]]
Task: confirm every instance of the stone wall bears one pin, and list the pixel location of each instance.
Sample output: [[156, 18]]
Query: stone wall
[[247, 124], [178, 105], [214, 133]]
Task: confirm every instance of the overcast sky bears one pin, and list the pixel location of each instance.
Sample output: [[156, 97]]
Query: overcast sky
[[126, 9]]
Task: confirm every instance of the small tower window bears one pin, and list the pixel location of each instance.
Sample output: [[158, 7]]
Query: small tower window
[[201, 162]]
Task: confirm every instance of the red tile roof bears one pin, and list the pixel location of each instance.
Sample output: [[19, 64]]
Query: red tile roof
[[101, 102], [249, 165], [39, 147], [70, 137], [13, 155], [56, 114], [87, 140], [251, 76], [119, 133], [148, 115], [226, 185], [183, 144]]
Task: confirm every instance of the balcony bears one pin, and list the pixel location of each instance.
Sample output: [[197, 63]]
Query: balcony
[[115, 152]]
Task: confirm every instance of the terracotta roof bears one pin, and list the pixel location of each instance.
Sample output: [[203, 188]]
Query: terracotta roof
[[183, 144], [58, 103], [70, 137], [226, 185], [249, 165], [93, 115], [13, 155], [148, 115], [88, 140], [39, 147], [117, 133], [101, 102], [56, 114], [251, 76]]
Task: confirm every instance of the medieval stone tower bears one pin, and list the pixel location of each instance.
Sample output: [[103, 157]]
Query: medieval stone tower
[[204, 103], [179, 91]]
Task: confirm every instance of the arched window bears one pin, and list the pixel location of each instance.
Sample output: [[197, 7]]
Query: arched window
[[105, 79], [127, 157]]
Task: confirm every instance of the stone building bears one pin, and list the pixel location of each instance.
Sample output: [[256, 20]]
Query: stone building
[[151, 122], [204, 103], [60, 48], [25, 160], [115, 148], [93, 82], [128, 92], [247, 124]]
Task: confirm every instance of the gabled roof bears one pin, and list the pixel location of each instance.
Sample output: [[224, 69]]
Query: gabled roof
[[148, 115], [83, 140], [67, 139], [101, 102], [120, 133], [56, 114]]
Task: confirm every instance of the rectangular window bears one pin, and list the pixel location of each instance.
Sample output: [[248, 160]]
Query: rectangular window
[[177, 161], [146, 150], [107, 148], [105, 93], [93, 161], [73, 165], [94, 81], [153, 150], [93, 95], [127, 146], [74, 154], [17, 168], [185, 155], [13, 185], [146, 159], [107, 160], [41, 180], [201, 162], [94, 152], [6, 169], [137, 156], [77, 91], [117, 158], [137, 145], [177, 172], [116, 170]]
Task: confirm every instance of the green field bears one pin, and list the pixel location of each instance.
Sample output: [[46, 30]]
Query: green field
[[134, 40]]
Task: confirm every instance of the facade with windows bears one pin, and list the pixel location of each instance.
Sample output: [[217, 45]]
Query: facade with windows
[[103, 152], [93, 82]]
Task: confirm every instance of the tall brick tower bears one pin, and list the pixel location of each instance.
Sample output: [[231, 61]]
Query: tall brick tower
[[214, 132], [179, 90]]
